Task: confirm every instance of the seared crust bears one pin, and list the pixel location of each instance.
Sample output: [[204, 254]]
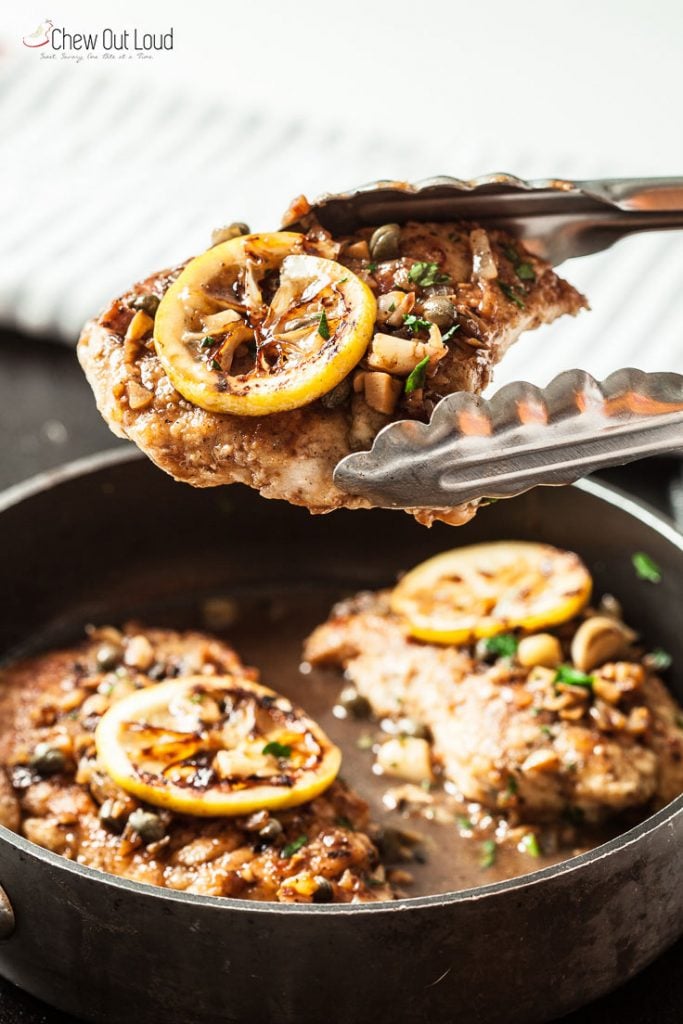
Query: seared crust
[[292, 455], [78, 812]]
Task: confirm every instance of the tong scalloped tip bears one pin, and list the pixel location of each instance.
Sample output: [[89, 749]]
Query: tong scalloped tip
[[524, 436]]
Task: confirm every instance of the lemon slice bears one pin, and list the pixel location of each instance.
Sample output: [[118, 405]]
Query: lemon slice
[[485, 589], [215, 746], [255, 325]]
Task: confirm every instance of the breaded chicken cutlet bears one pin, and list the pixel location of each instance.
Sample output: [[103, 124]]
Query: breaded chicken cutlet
[[269, 358]]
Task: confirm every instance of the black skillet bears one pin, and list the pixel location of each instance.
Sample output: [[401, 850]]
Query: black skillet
[[112, 536]]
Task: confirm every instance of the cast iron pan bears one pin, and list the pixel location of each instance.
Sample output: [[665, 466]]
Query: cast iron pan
[[112, 536]]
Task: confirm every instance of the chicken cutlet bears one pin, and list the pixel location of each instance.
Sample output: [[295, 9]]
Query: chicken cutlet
[[271, 357], [572, 722], [55, 791]]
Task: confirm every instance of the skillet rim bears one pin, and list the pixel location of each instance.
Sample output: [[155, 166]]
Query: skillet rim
[[665, 817]]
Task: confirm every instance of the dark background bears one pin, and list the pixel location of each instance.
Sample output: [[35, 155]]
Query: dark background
[[48, 416]]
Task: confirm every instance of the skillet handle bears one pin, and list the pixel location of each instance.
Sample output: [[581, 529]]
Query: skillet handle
[[7, 919]]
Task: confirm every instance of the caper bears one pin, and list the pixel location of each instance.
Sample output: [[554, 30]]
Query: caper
[[233, 230], [354, 703], [270, 831], [148, 825], [148, 303], [439, 310], [47, 760], [113, 815], [337, 396], [108, 656], [384, 242], [396, 845], [325, 892]]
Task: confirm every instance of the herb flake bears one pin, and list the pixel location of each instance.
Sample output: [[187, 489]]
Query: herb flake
[[488, 854], [426, 274], [646, 568], [572, 677], [450, 332], [277, 749], [291, 848], [504, 645], [207, 342], [415, 323], [509, 292], [416, 378], [523, 269], [324, 327], [529, 844], [215, 365], [659, 659], [525, 272]]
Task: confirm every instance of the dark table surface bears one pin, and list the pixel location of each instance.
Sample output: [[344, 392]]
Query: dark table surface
[[48, 416]]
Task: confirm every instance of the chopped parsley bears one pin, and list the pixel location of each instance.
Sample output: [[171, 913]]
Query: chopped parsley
[[529, 844], [291, 848], [572, 677], [415, 323], [450, 332], [512, 786], [646, 568], [510, 293], [504, 645], [215, 365], [488, 854], [426, 274], [546, 730], [416, 378], [372, 267], [464, 823], [525, 272], [277, 749], [324, 327], [523, 269], [659, 659], [207, 342]]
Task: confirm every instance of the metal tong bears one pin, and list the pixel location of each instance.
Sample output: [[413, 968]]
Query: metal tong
[[524, 436]]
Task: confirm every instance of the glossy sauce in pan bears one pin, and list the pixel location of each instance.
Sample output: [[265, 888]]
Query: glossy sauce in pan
[[267, 626], [269, 632]]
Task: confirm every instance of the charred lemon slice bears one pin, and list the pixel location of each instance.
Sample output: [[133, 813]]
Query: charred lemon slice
[[257, 326], [485, 589], [215, 746]]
